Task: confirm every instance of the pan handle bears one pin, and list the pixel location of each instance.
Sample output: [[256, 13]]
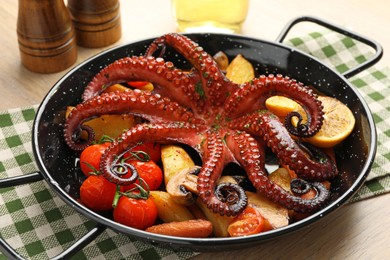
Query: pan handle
[[19, 180], [375, 45], [90, 236], [11, 253]]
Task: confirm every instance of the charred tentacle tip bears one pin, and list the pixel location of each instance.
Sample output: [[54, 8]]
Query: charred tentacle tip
[[122, 173], [77, 143], [233, 196], [301, 129], [300, 187]]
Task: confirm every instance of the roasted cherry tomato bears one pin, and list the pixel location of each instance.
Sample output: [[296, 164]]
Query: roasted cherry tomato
[[97, 193], [152, 149], [249, 212], [136, 213], [150, 172], [90, 158], [137, 84], [248, 222], [142, 85]]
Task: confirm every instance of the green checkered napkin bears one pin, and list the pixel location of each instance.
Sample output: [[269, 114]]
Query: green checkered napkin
[[344, 53], [39, 225], [36, 222]]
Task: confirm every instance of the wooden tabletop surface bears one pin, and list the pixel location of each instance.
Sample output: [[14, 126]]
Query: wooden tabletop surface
[[355, 231]]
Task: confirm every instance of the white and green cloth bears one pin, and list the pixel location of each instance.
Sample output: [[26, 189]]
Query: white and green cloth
[[39, 225], [344, 53]]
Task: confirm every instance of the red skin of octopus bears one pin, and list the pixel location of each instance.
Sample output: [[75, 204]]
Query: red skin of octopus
[[223, 121]]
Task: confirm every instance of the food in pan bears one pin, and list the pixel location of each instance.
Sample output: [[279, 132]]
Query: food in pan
[[222, 115]]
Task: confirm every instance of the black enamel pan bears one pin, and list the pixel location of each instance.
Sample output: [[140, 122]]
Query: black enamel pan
[[355, 156]]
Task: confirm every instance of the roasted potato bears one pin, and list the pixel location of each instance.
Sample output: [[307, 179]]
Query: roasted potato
[[220, 223], [174, 159], [168, 209], [109, 125], [240, 70]]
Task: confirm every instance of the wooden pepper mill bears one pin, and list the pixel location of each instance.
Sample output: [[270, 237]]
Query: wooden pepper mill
[[97, 22], [46, 36]]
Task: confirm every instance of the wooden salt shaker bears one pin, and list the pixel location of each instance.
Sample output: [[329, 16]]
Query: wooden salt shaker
[[45, 35], [97, 23]]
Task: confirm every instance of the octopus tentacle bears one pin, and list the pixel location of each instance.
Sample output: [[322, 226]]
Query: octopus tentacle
[[252, 96], [88, 130], [299, 186], [233, 195], [265, 124], [144, 104], [169, 81], [214, 86], [185, 133], [122, 172], [223, 121], [251, 158], [214, 161], [300, 129]]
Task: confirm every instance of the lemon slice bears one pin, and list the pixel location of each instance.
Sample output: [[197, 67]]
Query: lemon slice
[[338, 123], [281, 106], [338, 119]]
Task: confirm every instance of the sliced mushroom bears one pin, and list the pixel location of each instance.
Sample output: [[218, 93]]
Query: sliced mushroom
[[183, 185]]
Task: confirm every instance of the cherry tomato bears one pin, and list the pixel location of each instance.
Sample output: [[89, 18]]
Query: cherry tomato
[[136, 213], [97, 193], [248, 212], [90, 158], [248, 222], [137, 84], [142, 85], [150, 172], [151, 148]]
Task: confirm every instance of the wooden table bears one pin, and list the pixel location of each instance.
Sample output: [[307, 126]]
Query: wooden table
[[356, 231]]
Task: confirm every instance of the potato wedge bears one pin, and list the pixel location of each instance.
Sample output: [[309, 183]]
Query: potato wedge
[[196, 211], [200, 210], [220, 223], [276, 215], [68, 110], [110, 125], [168, 209], [115, 87], [240, 70], [174, 159], [281, 176]]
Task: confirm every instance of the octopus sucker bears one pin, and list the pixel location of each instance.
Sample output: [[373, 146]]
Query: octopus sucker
[[223, 121], [168, 132], [286, 148], [129, 102], [252, 96]]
